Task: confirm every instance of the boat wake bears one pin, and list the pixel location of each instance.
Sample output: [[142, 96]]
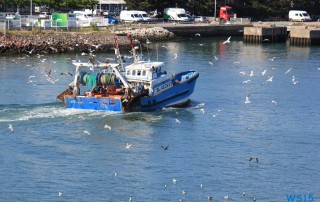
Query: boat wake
[[11, 113]]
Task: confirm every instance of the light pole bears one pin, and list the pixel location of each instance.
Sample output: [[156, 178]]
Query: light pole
[[215, 9], [30, 7]]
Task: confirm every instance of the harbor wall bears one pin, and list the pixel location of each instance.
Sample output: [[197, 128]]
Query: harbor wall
[[64, 42]]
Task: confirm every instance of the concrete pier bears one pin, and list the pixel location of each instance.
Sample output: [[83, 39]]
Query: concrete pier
[[205, 30], [304, 37], [264, 34]]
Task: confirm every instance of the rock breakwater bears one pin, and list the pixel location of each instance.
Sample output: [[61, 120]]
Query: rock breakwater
[[67, 42]]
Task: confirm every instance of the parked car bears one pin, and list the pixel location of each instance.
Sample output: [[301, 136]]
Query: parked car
[[111, 19], [200, 19], [191, 19], [44, 15]]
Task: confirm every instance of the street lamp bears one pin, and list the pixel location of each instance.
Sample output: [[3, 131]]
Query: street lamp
[[215, 9], [30, 7]]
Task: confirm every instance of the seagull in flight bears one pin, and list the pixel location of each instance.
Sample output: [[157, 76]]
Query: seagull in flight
[[246, 81], [254, 158], [227, 41], [264, 72], [251, 73], [288, 71], [165, 148], [294, 81], [197, 34], [177, 121], [272, 59], [270, 79], [96, 46], [30, 52], [10, 127]]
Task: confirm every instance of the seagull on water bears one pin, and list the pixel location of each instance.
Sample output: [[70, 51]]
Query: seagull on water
[[227, 41], [175, 56], [174, 181], [210, 198], [177, 121], [86, 132], [59, 193], [252, 158], [226, 197], [106, 126], [128, 146], [10, 127], [202, 110], [247, 101], [184, 193]]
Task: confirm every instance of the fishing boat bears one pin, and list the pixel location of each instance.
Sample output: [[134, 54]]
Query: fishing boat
[[140, 86]]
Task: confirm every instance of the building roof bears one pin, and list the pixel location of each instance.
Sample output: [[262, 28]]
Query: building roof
[[112, 2]]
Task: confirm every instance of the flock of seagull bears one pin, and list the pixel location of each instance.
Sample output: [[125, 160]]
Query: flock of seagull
[[50, 79]]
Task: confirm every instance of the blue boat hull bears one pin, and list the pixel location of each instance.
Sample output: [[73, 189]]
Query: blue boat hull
[[92, 103], [175, 96]]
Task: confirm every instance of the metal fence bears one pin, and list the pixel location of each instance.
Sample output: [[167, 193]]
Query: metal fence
[[31, 23]]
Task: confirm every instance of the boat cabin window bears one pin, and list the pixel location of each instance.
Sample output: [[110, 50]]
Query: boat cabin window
[[144, 73], [128, 72], [139, 73], [133, 72]]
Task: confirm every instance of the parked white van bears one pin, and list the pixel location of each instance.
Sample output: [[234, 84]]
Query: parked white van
[[145, 16], [176, 14], [130, 16], [296, 15]]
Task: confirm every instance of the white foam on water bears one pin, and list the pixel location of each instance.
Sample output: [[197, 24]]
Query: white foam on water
[[48, 112]]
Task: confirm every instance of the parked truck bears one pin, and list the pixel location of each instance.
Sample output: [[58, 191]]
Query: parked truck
[[175, 14], [226, 12]]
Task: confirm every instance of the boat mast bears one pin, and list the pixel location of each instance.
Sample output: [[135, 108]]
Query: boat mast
[[115, 69], [135, 59]]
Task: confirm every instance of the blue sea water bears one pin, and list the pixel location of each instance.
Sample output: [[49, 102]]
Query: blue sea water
[[57, 154]]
